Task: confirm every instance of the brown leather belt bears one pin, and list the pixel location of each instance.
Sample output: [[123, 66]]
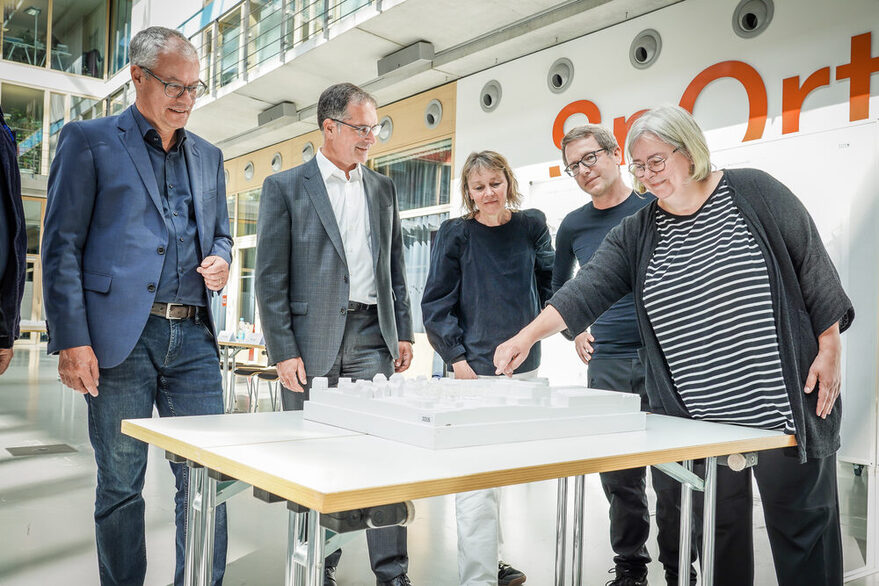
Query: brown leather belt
[[174, 310]]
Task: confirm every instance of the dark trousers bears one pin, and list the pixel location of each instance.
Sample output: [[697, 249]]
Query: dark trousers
[[626, 489], [363, 354], [801, 510]]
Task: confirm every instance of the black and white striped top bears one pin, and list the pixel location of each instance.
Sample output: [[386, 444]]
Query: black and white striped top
[[707, 297]]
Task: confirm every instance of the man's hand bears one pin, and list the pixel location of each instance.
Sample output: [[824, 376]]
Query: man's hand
[[825, 371], [511, 354], [405, 359], [463, 371], [215, 271], [583, 344], [78, 369], [291, 373], [5, 358]]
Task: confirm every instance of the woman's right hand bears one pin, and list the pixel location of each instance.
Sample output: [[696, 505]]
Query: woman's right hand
[[512, 353], [463, 371]]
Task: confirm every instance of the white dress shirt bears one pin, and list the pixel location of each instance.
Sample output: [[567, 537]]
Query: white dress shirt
[[348, 198]]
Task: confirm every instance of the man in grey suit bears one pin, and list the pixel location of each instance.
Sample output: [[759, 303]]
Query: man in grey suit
[[330, 279]]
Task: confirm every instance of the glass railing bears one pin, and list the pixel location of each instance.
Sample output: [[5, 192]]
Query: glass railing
[[236, 38]]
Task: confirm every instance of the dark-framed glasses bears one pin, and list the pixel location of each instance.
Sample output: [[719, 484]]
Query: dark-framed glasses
[[175, 90], [654, 164], [362, 131], [587, 160]]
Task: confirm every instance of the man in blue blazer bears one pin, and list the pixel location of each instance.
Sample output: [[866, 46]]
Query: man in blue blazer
[[136, 240]]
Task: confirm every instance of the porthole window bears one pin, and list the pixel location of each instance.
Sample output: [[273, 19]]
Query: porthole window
[[560, 75], [433, 114], [752, 17], [248, 171], [387, 129], [277, 162], [307, 152], [490, 96], [645, 49]]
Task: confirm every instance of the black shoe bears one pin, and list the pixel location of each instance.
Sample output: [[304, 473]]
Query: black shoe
[[507, 575], [627, 577], [329, 576], [401, 580]]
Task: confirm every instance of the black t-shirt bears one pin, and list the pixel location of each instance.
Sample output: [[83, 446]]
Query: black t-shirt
[[581, 233]]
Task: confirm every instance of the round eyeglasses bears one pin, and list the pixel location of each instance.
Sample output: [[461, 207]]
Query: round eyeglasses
[[587, 160], [654, 164], [175, 90]]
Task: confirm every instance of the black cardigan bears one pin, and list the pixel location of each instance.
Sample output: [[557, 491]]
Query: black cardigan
[[807, 296]]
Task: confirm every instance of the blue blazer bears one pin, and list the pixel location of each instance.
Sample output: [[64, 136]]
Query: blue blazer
[[104, 229]]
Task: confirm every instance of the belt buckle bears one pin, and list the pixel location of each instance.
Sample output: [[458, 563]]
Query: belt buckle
[[168, 309]]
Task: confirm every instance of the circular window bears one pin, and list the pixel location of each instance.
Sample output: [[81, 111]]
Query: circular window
[[752, 17], [387, 129], [560, 75], [226, 174], [433, 114], [645, 49], [277, 162], [248, 171], [307, 152], [490, 96]]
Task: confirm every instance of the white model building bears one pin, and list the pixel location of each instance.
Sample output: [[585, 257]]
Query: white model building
[[448, 413]]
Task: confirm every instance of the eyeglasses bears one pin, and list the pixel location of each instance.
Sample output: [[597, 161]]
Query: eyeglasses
[[362, 131], [588, 160], [653, 164], [175, 90]]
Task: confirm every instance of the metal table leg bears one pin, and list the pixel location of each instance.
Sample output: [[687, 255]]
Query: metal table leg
[[296, 542], [686, 529], [579, 519], [561, 531], [315, 556], [708, 521]]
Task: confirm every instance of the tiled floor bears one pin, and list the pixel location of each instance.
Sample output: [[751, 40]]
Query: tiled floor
[[46, 527]]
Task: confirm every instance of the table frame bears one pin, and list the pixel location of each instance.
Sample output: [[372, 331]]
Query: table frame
[[305, 556]]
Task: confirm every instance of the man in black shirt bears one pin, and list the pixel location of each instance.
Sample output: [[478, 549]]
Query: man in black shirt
[[592, 157]]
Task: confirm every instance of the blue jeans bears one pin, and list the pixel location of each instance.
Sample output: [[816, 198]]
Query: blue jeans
[[175, 367]]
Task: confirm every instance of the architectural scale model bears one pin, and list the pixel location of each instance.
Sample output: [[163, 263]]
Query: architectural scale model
[[448, 413]]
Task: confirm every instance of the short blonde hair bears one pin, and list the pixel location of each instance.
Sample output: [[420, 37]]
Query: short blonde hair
[[674, 126], [494, 162]]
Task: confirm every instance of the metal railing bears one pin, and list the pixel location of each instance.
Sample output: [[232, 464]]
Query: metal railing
[[235, 39]]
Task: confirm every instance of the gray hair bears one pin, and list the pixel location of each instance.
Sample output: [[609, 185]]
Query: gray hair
[[676, 127], [602, 135], [334, 101], [148, 44]]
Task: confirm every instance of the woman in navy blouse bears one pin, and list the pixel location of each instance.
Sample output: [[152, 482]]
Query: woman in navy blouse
[[490, 274]]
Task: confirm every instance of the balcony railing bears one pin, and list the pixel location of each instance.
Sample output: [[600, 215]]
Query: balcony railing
[[236, 38]]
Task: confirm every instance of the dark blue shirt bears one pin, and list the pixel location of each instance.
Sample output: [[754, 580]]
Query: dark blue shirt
[[484, 285], [582, 231], [179, 283]]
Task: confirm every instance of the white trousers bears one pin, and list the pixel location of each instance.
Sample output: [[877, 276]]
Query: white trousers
[[480, 539], [479, 536]]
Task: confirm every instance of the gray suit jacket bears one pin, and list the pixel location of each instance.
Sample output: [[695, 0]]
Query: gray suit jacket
[[302, 281]]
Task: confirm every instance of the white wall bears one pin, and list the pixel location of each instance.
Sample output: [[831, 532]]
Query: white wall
[[830, 163]]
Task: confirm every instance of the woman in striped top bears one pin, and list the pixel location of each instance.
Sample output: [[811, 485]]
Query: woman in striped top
[[740, 310]]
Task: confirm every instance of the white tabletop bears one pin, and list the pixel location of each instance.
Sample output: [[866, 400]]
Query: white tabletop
[[331, 469]]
